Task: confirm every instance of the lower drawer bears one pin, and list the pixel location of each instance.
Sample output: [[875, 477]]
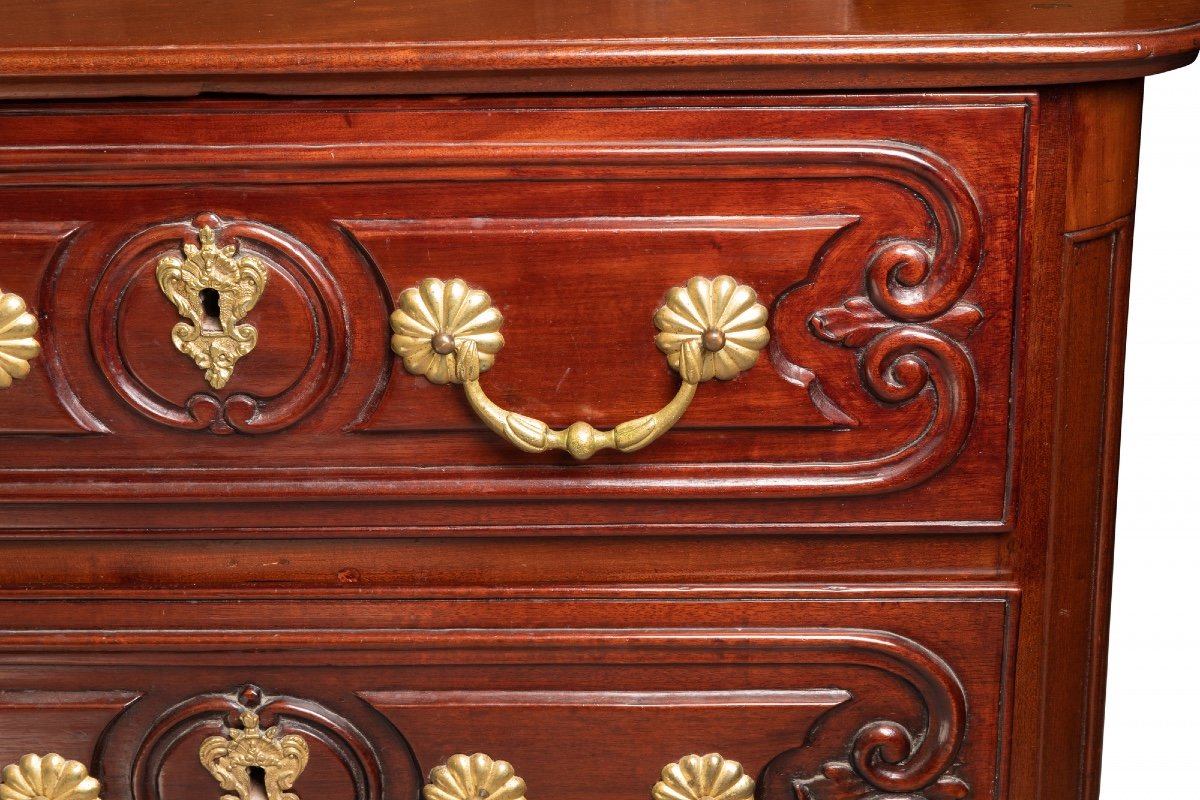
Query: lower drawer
[[817, 698]]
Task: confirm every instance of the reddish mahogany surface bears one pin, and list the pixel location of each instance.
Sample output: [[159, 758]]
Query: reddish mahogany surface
[[69, 47], [550, 211], [876, 565]]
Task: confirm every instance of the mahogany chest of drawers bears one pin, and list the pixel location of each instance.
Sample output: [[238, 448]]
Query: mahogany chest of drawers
[[627, 399]]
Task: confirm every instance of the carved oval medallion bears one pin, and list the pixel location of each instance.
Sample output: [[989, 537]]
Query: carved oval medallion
[[242, 358]]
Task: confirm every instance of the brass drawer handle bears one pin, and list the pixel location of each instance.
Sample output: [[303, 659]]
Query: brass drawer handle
[[693, 777], [480, 777], [17, 343], [450, 333], [48, 777]]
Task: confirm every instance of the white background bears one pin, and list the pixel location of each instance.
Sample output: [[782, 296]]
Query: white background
[[1154, 661]]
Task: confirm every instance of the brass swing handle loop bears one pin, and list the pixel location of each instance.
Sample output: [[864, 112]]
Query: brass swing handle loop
[[450, 333]]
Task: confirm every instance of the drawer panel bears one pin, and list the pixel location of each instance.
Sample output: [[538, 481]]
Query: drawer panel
[[369, 710], [879, 233]]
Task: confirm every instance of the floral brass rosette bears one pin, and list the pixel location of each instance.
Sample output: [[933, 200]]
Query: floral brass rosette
[[709, 777], [49, 777], [434, 319], [473, 777], [17, 345], [711, 328]]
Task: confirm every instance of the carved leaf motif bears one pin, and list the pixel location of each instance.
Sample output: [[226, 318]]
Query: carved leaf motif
[[858, 321], [839, 781], [853, 324], [960, 321]]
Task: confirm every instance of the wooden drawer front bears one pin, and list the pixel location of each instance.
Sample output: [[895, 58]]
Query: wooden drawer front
[[806, 705], [880, 232]]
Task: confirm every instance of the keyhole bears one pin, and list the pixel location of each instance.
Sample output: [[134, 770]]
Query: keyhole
[[210, 304], [258, 777]]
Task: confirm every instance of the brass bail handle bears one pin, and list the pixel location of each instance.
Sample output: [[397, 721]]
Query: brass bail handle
[[450, 333], [693, 777]]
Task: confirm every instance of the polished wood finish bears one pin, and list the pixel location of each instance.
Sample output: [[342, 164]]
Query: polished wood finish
[[793, 216], [65, 48], [876, 564]]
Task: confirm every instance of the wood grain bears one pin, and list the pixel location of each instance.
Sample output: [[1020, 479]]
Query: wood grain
[[934, 665], [876, 565], [73, 48], [816, 206]]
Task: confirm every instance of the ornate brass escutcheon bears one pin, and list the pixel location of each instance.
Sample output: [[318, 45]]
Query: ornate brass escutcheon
[[48, 777], [278, 759], [215, 289], [450, 333], [17, 343]]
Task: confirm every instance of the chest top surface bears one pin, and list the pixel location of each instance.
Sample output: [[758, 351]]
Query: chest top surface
[[57, 48]]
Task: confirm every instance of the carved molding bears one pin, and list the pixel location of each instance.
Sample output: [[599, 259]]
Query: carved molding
[[43, 246], [909, 327], [887, 753], [810, 238], [912, 759], [216, 410], [839, 780]]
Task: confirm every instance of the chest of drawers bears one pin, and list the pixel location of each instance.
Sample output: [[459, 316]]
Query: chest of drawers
[[631, 399]]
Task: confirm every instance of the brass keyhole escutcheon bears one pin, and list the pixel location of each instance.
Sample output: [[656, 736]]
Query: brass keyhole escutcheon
[[256, 764], [214, 289]]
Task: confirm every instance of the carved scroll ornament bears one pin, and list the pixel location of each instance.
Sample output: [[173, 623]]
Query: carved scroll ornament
[[839, 780]]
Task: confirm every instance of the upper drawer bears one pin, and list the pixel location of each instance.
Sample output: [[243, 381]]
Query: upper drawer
[[214, 282]]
